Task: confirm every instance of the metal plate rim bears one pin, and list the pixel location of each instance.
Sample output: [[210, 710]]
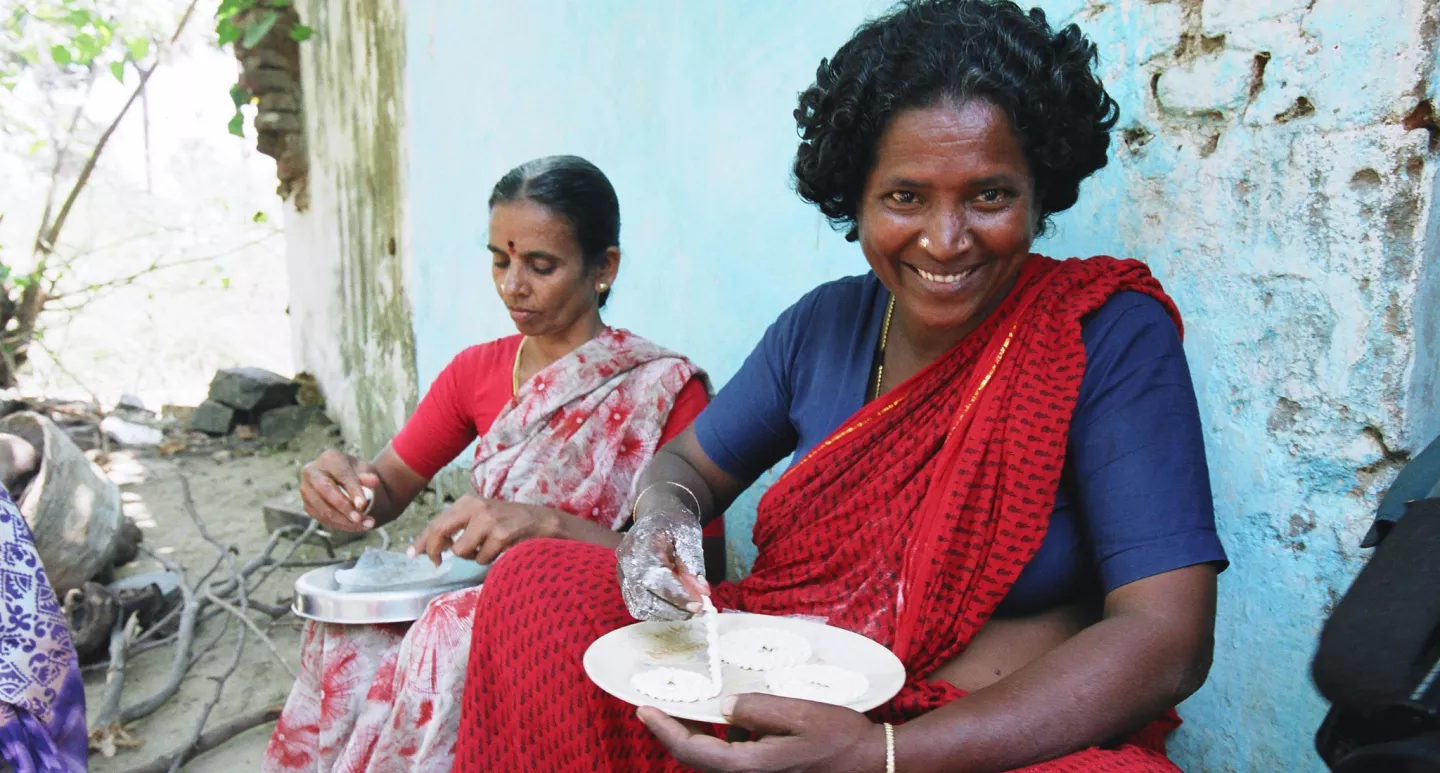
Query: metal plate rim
[[317, 598]]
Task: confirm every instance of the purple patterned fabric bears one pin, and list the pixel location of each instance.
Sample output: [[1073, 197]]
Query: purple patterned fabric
[[42, 700]]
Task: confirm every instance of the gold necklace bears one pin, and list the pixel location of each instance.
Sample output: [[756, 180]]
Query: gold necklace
[[884, 341], [515, 373]]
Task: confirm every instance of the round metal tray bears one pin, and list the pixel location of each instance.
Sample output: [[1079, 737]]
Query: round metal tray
[[319, 598]]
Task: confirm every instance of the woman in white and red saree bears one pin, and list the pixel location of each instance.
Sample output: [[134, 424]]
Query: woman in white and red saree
[[567, 414], [1001, 472]]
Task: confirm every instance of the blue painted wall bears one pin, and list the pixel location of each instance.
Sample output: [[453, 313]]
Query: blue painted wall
[[1264, 172]]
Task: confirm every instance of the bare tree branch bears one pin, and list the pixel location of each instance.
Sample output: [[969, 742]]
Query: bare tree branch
[[120, 640], [186, 639], [60, 366], [62, 149], [173, 612], [179, 759], [45, 242], [98, 288], [32, 297], [244, 618], [209, 740]]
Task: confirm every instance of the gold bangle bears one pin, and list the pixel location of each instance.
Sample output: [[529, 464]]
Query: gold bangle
[[889, 748], [635, 506]]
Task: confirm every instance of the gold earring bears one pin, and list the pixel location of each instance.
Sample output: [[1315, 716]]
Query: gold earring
[[602, 287]]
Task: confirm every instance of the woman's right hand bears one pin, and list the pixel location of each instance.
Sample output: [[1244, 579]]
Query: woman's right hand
[[337, 490], [660, 561]]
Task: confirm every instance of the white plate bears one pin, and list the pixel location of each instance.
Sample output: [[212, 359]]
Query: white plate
[[617, 656]]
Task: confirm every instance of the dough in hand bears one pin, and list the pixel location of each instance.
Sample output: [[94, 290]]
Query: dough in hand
[[761, 649], [675, 684], [817, 682]]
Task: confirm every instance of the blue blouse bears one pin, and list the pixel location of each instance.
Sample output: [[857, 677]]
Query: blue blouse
[[1134, 496]]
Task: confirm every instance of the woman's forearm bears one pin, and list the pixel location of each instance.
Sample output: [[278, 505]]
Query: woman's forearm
[[669, 476], [581, 530], [683, 462], [1099, 685], [1106, 682], [399, 485]]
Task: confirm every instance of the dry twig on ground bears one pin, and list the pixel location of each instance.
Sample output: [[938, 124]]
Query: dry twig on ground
[[185, 639], [179, 759], [107, 735], [244, 618], [210, 740], [211, 597]]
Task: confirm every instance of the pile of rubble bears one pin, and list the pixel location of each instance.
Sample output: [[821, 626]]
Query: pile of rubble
[[247, 408], [253, 402], [53, 455]]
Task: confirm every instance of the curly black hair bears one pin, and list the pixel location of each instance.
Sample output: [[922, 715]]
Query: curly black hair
[[924, 52]]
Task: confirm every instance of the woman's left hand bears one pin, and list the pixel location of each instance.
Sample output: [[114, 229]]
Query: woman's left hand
[[794, 736], [490, 527]]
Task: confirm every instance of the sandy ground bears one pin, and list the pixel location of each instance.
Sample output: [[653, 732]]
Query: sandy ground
[[229, 497]]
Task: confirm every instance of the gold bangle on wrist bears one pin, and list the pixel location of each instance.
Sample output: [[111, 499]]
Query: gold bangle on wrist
[[889, 748]]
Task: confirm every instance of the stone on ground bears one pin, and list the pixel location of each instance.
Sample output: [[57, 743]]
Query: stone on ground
[[252, 389], [284, 423], [213, 418]]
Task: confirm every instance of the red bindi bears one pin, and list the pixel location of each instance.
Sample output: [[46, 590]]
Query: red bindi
[[511, 245]]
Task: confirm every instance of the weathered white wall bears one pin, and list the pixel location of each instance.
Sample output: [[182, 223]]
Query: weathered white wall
[[351, 316]]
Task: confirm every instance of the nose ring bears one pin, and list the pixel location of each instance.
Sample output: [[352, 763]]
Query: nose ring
[[925, 242]]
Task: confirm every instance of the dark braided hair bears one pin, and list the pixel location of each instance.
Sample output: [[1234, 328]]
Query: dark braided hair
[[927, 52], [577, 191]]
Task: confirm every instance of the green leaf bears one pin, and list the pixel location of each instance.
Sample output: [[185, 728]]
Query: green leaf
[[237, 125], [228, 31], [300, 33], [259, 30], [36, 147], [61, 55], [87, 47], [78, 17], [239, 95], [139, 48], [229, 8], [260, 217], [118, 69], [225, 282]]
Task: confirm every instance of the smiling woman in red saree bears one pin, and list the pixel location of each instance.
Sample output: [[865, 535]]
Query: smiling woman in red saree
[[1001, 468], [908, 525]]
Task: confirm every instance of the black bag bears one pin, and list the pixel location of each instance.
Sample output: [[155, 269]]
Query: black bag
[[1379, 657]]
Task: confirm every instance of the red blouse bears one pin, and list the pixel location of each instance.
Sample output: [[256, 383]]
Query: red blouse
[[472, 390]]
